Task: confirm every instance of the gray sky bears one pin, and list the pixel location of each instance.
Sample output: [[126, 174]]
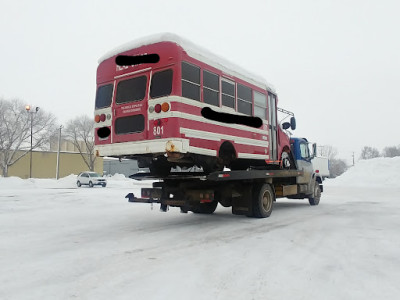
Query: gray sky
[[335, 64]]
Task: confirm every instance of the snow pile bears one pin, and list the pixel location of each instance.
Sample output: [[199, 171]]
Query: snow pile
[[377, 172]]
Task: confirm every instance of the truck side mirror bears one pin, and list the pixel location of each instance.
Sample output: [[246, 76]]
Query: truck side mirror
[[286, 125], [293, 123], [314, 149]]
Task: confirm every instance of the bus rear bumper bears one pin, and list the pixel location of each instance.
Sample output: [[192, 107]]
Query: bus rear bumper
[[143, 147]]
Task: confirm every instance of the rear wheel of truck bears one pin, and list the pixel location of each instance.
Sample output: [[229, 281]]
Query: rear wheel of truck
[[316, 196], [205, 208], [263, 198]]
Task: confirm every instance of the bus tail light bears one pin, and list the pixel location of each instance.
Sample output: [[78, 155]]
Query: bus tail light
[[165, 107], [157, 108], [101, 118]]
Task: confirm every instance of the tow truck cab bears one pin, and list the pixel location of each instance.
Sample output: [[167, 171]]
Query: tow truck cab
[[303, 161]]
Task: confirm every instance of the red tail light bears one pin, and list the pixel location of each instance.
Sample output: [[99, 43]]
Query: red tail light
[[157, 108]]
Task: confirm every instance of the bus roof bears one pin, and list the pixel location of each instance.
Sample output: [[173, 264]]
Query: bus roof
[[196, 52]]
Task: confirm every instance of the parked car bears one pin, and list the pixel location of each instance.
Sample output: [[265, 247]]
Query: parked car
[[91, 179]]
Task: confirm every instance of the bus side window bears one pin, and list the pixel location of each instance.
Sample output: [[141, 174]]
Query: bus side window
[[161, 84], [210, 88], [190, 81], [104, 96], [228, 93], [260, 105], [245, 104]]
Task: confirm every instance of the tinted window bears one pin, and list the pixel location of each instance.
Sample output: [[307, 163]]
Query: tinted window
[[190, 90], [228, 93], [244, 92], [130, 124], [210, 88], [190, 72], [133, 89], [104, 96], [161, 84], [211, 97], [190, 81], [245, 105], [211, 80]]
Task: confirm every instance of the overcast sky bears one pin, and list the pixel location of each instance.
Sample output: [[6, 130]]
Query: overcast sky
[[335, 64]]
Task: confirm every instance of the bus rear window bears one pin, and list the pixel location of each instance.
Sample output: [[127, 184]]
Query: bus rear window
[[130, 90], [129, 124], [161, 84], [104, 96]]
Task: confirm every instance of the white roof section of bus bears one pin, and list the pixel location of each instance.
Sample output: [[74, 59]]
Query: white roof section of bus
[[196, 52]]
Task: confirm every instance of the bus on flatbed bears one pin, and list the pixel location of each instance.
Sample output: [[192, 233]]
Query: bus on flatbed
[[167, 103]]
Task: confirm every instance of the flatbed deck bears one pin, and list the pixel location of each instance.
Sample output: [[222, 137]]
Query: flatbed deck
[[221, 176]]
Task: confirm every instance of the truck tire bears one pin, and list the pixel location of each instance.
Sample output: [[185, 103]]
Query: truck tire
[[263, 198], [316, 196], [205, 208]]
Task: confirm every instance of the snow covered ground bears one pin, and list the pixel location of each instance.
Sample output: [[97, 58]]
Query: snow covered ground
[[61, 242]]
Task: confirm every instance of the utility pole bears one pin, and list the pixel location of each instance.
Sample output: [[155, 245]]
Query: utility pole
[[58, 153], [28, 109], [353, 158]]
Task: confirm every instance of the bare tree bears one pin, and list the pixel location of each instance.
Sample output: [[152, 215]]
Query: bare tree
[[80, 131], [328, 151], [369, 152], [391, 151], [337, 167], [15, 131]]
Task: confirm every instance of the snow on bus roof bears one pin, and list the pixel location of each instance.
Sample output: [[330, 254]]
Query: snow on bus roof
[[194, 51]]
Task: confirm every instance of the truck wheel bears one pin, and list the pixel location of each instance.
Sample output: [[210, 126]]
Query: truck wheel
[[316, 196], [205, 208], [263, 200]]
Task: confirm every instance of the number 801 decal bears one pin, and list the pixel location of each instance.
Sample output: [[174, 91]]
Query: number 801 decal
[[158, 130]]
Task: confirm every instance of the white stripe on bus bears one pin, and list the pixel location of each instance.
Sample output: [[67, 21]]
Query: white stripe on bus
[[205, 135]]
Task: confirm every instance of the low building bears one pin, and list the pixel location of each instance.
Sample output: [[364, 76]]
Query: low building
[[44, 165]]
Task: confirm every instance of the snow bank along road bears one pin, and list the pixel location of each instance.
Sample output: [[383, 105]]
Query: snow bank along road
[[90, 243]]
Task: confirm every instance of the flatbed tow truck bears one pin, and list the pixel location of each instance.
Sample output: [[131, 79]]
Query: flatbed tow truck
[[250, 192]]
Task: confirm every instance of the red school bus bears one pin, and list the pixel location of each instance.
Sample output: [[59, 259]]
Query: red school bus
[[184, 109]]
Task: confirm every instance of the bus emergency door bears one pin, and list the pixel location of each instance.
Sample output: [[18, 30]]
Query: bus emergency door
[[130, 107]]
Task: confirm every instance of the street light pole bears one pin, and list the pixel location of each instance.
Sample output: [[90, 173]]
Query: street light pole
[[58, 153], [28, 109]]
